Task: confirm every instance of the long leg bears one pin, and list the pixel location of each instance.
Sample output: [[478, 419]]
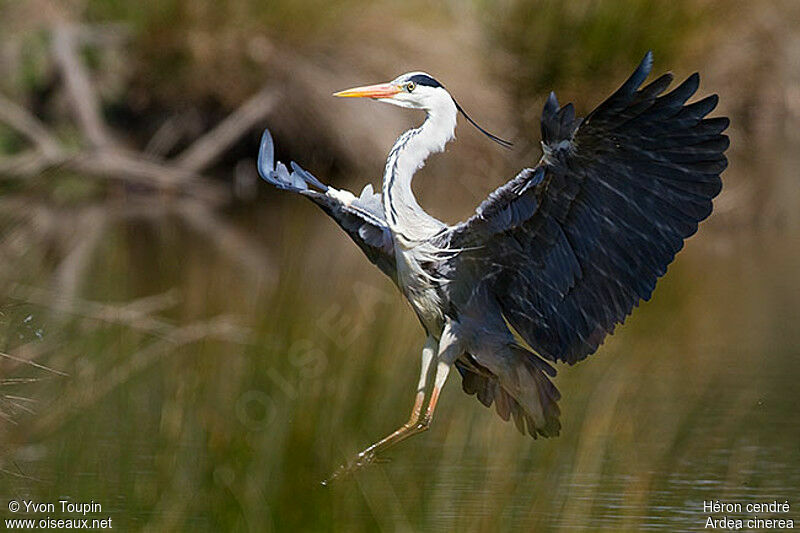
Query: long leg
[[368, 454], [450, 348], [448, 352], [428, 351]]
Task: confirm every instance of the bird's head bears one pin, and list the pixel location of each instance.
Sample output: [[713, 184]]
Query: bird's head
[[416, 90]]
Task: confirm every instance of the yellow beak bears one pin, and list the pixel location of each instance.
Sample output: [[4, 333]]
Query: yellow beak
[[381, 90]]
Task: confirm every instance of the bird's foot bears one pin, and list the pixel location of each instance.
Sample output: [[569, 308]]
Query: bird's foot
[[365, 458]]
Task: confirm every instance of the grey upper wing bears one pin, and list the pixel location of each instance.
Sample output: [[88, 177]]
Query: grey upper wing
[[568, 248], [362, 218]]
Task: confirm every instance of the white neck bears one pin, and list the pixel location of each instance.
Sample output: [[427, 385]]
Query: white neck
[[405, 217]]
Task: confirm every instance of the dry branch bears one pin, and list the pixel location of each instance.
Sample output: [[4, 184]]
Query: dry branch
[[76, 80], [28, 125], [205, 150], [103, 156], [26, 164], [134, 168]]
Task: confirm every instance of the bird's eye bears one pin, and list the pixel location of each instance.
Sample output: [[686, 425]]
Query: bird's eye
[[410, 86]]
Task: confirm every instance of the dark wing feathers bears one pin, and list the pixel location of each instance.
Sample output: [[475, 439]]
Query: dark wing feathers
[[570, 247], [362, 218], [557, 123]]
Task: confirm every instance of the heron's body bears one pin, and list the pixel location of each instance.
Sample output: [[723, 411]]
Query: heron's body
[[412, 228], [558, 255]]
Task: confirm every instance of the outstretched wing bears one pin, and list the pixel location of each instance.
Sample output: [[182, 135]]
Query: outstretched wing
[[569, 247], [360, 216]]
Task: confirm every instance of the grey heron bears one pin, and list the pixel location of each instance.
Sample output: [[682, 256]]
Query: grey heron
[[558, 256]]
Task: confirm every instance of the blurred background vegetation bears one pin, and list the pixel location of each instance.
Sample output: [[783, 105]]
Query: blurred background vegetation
[[196, 351]]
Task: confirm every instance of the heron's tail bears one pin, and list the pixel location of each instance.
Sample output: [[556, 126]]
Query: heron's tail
[[521, 389]]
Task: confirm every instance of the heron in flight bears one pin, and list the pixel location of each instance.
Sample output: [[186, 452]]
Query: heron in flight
[[550, 262]]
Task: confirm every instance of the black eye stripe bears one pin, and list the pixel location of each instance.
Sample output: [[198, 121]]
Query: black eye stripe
[[424, 79]]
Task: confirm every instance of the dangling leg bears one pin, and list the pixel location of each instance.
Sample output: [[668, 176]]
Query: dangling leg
[[450, 348], [448, 352], [368, 455]]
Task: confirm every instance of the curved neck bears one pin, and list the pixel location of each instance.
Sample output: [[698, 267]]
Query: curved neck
[[404, 215]]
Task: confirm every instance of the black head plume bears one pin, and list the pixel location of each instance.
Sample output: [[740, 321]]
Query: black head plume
[[495, 138]]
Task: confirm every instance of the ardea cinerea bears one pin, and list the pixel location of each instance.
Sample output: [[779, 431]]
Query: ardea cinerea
[[560, 254]]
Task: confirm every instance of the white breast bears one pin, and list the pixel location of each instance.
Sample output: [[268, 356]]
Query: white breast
[[420, 291]]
